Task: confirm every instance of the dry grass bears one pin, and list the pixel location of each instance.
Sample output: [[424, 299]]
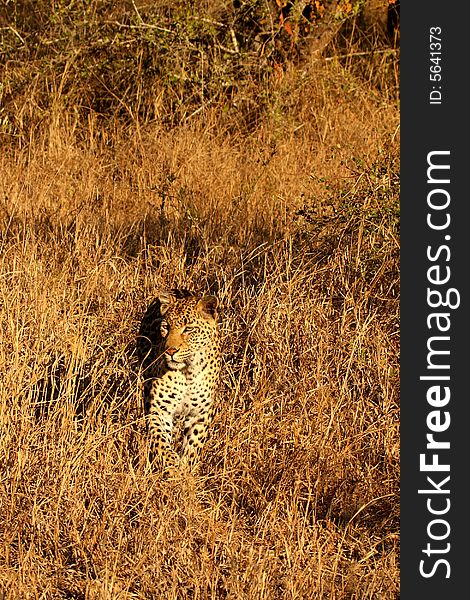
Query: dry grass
[[294, 227]]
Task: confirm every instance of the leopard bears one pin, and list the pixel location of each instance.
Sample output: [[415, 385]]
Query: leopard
[[180, 351]]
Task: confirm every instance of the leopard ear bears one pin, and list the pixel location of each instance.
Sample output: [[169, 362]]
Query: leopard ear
[[207, 306], [166, 298]]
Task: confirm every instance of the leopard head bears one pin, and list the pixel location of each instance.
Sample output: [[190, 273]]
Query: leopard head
[[188, 326]]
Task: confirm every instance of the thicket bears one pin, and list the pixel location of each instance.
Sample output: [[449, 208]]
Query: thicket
[[166, 63]]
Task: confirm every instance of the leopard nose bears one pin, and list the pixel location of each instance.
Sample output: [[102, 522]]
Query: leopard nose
[[171, 350]]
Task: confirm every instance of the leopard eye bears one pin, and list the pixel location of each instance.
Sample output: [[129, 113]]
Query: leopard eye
[[164, 329], [188, 329]]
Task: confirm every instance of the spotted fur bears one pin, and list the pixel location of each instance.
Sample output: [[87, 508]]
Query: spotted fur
[[179, 348]]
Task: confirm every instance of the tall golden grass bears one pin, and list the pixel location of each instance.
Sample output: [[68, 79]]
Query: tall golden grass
[[294, 225]]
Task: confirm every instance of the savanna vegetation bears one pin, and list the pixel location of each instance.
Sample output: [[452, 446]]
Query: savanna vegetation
[[246, 149]]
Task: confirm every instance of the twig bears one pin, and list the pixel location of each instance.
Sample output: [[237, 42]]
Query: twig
[[386, 50], [225, 49], [15, 32], [210, 21], [198, 110], [234, 41], [137, 11], [142, 26]]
